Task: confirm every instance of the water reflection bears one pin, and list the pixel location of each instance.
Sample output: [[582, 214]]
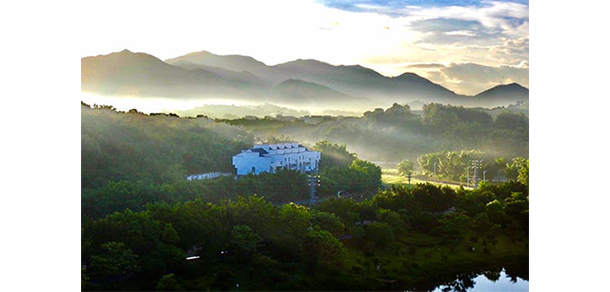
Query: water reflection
[[492, 280]]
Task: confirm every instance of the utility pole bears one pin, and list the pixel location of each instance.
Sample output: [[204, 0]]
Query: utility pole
[[409, 178], [313, 182], [484, 171], [476, 164]]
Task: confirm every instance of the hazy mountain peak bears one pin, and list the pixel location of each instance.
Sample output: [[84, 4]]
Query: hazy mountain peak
[[513, 92], [411, 76], [230, 62], [124, 56], [506, 87], [203, 52], [304, 62], [515, 85]]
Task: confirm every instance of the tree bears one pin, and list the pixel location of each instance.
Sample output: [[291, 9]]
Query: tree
[[453, 225], [115, 263], [327, 221], [524, 173], [393, 219], [168, 283], [176, 172], [379, 233], [333, 155], [324, 249], [368, 176], [245, 240], [513, 168], [509, 120], [405, 167], [495, 212]]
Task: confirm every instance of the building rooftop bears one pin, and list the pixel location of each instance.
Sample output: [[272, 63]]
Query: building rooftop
[[266, 150]]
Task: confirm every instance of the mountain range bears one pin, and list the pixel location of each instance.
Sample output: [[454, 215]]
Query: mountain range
[[299, 82]]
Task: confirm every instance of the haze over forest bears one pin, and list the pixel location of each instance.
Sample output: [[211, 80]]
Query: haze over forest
[[412, 125]]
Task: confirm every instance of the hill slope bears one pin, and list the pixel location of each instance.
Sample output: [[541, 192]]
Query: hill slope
[[513, 91], [299, 91], [139, 74]]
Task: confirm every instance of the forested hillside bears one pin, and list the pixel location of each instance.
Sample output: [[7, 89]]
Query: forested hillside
[[156, 148], [130, 159]]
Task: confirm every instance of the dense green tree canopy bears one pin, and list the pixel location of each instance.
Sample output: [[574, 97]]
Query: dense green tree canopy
[[261, 246], [134, 146]]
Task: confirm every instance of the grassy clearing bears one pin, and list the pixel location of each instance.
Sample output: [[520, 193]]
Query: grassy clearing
[[390, 176]]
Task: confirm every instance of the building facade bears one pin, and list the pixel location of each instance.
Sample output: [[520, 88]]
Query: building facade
[[271, 157]]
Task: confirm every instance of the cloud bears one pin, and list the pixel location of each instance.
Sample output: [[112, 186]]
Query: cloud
[[425, 65], [390, 37], [382, 5], [490, 33], [460, 33], [471, 78], [511, 51], [451, 22]]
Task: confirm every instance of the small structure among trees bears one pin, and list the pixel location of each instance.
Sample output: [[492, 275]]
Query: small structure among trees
[[270, 157]]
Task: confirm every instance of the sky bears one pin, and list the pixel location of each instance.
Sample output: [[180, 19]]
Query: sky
[[467, 46]]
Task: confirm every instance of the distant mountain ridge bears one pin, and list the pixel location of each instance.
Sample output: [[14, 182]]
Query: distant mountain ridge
[[237, 63], [354, 80], [140, 74], [513, 90], [206, 75], [502, 94]]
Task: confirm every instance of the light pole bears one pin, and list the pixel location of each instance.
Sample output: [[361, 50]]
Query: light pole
[[476, 164]]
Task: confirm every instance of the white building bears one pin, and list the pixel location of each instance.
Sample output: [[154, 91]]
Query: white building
[[209, 175], [270, 157]]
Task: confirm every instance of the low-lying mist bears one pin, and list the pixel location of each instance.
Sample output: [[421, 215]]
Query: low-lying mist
[[232, 108], [223, 108]]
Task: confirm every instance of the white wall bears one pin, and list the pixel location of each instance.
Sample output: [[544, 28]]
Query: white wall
[[244, 162]]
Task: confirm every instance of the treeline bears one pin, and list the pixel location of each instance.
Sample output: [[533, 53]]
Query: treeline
[[456, 165], [157, 148], [116, 196], [404, 238], [397, 132]]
